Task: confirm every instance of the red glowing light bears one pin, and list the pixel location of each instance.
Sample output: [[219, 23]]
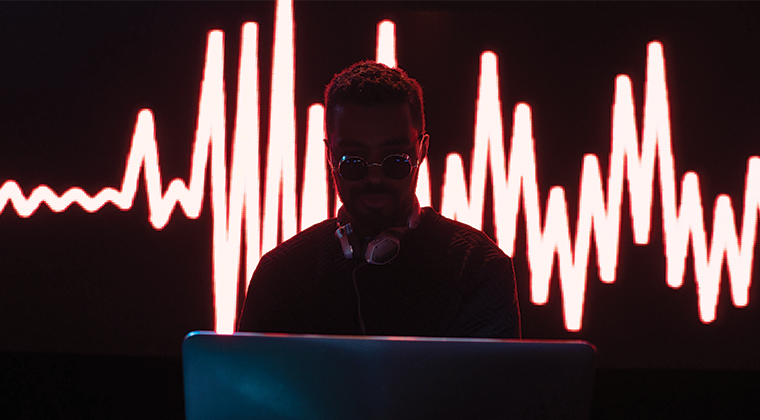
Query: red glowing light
[[386, 43], [315, 190], [512, 181], [281, 159], [679, 225]]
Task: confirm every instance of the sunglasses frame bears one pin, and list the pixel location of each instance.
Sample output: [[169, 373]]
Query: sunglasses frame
[[367, 165], [336, 168]]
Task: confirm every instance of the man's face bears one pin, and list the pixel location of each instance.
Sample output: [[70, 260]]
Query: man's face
[[375, 202]]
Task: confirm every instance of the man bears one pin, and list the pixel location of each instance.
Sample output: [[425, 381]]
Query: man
[[383, 266]]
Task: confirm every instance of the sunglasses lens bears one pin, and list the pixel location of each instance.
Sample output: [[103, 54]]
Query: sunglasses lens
[[353, 168], [397, 166]]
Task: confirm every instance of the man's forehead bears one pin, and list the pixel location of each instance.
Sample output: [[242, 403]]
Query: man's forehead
[[387, 124], [351, 143]]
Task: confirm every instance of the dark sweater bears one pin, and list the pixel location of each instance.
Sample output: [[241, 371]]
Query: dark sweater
[[449, 280]]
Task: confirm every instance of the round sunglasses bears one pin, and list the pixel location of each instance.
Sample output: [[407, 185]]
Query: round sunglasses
[[395, 166]]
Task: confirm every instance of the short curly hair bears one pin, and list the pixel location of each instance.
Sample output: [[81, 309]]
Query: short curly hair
[[372, 83]]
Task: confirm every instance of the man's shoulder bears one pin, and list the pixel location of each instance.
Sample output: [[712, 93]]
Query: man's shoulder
[[459, 233], [308, 241]]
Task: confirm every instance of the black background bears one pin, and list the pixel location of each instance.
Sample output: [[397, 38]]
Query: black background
[[74, 75]]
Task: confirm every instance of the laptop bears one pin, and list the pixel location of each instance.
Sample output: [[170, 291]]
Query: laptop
[[286, 376]]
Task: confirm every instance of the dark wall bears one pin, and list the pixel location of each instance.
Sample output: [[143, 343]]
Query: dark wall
[[74, 75]]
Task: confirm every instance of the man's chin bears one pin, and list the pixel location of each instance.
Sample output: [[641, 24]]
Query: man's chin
[[376, 202], [374, 212], [373, 219]]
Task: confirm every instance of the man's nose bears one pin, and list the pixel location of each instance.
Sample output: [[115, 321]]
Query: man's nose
[[375, 174]]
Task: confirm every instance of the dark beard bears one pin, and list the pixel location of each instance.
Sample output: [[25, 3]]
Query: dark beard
[[373, 220]]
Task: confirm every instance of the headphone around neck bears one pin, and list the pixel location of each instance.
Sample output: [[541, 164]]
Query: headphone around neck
[[383, 248]]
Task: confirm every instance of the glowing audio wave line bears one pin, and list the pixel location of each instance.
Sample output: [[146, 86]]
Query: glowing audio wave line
[[143, 155], [242, 205], [386, 43], [210, 134], [237, 210], [680, 224], [281, 159]]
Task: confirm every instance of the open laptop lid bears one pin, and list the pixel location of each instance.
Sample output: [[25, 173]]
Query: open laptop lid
[[282, 376]]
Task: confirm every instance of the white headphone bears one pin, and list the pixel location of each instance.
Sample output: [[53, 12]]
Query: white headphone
[[385, 246]]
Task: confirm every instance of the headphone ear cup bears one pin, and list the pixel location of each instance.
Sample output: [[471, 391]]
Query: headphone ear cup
[[384, 247], [342, 234]]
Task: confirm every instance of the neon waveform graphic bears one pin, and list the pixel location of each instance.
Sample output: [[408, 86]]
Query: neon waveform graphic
[[235, 211]]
